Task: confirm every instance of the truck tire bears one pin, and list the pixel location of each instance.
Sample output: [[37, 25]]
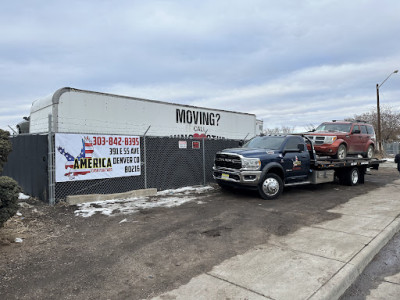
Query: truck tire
[[370, 152], [352, 177], [270, 187], [341, 152]]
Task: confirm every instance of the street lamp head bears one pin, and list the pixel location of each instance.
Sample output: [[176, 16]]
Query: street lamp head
[[396, 71]]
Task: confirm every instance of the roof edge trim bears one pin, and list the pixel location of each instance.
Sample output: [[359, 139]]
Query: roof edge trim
[[58, 93]]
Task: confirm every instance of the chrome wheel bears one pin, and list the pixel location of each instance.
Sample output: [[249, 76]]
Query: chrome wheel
[[270, 186], [354, 176]]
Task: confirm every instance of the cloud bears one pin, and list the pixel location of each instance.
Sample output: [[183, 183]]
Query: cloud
[[289, 62]]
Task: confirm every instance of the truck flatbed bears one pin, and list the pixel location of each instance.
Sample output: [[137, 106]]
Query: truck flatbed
[[330, 163]]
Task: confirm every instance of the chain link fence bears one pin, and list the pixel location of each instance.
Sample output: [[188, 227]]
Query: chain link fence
[[165, 164], [391, 148]]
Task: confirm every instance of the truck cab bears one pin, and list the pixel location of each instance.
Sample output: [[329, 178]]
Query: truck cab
[[265, 163]]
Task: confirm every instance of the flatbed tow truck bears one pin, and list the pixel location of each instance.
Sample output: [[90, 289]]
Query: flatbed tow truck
[[270, 163]]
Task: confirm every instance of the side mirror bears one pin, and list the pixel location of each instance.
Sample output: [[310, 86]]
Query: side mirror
[[300, 147], [241, 143]]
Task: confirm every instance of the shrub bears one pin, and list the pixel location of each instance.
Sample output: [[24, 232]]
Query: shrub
[[5, 147], [9, 192], [9, 188]]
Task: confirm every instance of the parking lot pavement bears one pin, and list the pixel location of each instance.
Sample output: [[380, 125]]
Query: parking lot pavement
[[315, 262]]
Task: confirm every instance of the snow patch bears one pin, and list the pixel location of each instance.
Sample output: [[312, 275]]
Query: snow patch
[[127, 206], [23, 196], [167, 198], [186, 190]]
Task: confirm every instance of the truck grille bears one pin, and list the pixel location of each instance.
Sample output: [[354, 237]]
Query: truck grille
[[317, 140], [228, 161]]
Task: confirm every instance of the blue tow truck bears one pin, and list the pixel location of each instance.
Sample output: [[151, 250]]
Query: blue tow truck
[[268, 163]]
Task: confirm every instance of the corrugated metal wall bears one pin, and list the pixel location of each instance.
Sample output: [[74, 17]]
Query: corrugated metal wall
[[27, 164]]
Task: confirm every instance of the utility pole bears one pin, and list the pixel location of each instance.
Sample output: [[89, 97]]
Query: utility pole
[[379, 133]]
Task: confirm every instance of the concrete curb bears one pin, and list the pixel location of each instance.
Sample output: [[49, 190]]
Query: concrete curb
[[77, 199], [345, 277]]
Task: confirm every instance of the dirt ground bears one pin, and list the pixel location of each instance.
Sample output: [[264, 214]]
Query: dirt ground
[[64, 256]]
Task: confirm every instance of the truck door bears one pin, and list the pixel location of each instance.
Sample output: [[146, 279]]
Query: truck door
[[365, 137], [296, 163], [355, 144]]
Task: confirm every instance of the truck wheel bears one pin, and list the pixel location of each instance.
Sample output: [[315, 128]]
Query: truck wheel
[[370, 152], [341, 152], [270, 187], [352, 177]]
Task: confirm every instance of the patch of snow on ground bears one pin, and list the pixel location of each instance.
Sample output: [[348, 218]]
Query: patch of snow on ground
[[127, 206], [169, 198], [23, 196], [186, 190]]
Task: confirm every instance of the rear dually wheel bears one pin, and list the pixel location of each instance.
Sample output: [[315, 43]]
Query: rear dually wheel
[[352, 177]]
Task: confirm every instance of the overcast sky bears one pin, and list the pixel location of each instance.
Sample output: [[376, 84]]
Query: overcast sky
[[292, 63]]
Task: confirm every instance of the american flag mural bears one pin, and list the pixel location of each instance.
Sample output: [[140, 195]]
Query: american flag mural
[[86, 152]]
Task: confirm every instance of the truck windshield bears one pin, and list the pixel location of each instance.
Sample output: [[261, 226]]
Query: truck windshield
[[265, 142], [334, 127]]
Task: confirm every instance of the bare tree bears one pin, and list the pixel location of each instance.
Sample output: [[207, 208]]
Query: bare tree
[[390, 122], [277, 130]]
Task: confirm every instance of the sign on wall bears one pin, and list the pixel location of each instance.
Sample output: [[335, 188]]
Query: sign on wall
[[85, 157], [195, 145], [182, 144]]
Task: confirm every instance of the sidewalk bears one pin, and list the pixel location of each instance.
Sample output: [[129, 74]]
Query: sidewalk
[[318, 262]]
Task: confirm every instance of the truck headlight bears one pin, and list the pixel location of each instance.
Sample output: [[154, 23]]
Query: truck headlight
[[330, 139], [251, 163]]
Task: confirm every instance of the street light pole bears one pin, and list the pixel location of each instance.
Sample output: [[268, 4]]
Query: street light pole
[[380, 148], [378, 112]]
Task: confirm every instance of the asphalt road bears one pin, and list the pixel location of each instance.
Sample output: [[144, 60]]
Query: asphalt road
[[381, 278], [155, 250]]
